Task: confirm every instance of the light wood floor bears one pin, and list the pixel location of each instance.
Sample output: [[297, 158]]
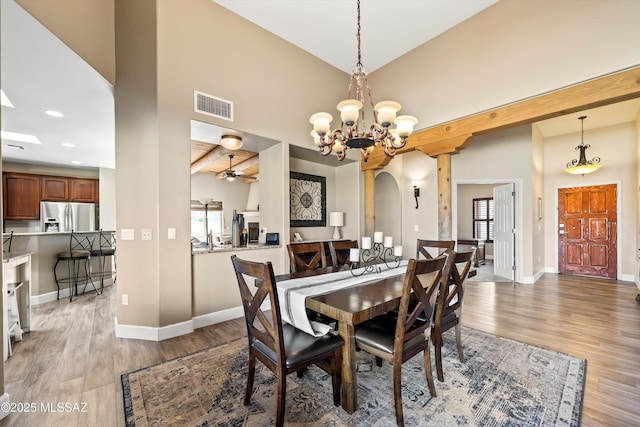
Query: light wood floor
[[71, 355]]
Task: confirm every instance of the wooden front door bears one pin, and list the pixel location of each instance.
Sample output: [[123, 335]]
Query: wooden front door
[[587, 221]]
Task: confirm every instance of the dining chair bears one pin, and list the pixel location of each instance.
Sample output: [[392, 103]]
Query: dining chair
[[306, 256], [398, 339], [449, 304], [339, 251], [433, 248], [279, 346]]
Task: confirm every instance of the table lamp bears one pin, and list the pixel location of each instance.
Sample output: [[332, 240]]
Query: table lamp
[[336, 219]]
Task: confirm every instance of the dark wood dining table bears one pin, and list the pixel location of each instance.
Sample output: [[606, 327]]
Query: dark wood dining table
[[350, 307]]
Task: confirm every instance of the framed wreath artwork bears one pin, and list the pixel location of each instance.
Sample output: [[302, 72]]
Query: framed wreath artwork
[[308, 194]]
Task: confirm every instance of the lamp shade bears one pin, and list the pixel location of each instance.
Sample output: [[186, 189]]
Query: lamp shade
[[336, 219], [231, 142]]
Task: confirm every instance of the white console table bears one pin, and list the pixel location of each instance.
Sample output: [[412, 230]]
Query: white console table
[[16, 269]]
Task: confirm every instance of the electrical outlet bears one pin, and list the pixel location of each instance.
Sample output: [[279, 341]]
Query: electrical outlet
[[145, 234], [125, 299], [416, 228]]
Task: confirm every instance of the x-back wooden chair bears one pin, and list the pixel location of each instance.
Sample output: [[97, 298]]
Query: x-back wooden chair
[[279, 346]]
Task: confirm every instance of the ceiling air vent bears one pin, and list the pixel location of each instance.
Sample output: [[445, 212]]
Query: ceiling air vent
[[212, 105]]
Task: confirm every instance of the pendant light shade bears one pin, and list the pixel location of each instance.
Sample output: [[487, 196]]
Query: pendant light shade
[[582, 166]]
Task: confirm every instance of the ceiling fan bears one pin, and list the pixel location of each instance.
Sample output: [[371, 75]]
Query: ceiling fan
[[230, 174]]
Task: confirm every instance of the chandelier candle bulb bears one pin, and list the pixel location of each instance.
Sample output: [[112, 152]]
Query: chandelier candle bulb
[[354, 255], [378, 237], [397, 251], [366, 243], [388, 242]]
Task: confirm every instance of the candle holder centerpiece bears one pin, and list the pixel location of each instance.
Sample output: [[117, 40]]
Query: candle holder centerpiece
[[374, 255]]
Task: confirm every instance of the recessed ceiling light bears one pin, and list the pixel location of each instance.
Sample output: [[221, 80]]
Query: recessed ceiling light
[[68, 144], [19, 137], [4, 100], [54, 113], [76, 162]]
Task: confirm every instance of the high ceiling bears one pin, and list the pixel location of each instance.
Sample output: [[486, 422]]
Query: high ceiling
[[41, 73]]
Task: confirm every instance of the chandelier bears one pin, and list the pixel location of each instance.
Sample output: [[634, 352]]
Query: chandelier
[[582, 165], [353, 132]]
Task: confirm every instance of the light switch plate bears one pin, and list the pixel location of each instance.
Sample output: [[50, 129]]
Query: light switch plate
[[171, 233], [145, 234], [127, 234]]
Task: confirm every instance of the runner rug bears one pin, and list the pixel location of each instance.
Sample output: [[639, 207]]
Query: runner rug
[[502, 383]]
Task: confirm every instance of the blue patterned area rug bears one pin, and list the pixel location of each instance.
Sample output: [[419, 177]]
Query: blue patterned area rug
[[501, 383]]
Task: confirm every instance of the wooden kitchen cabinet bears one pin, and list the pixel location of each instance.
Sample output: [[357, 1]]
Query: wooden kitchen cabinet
[[21, 196], [83, 190], [54, 188], [64, 189]]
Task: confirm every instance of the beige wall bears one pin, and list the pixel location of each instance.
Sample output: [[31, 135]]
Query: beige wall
[[537, 192], [510, 51], [503, 157], [138, 177], [617, 147], [463, 71], [50, 170]]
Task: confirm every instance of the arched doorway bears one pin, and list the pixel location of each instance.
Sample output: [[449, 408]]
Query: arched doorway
[[388, 208]]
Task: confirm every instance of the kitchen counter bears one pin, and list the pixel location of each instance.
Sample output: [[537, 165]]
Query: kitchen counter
[[57, 233], [229, 248], [16, 277], [44, 247]]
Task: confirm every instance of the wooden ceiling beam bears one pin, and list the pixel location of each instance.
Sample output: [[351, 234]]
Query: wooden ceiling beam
[[446, 137], [211, 156]]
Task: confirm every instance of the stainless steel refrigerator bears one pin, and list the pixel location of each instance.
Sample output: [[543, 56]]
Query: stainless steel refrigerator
[[65, 217]]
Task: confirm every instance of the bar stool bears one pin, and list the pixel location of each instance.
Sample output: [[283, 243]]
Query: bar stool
[[13, 314], [106, 248], [79, 252]]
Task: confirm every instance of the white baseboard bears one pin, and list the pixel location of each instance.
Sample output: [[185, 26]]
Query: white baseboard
[[4, 408], [64, 293], [628, 278], [151, 333], [217, 317]]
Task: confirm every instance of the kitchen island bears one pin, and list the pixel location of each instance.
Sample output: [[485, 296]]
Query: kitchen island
[[44, 248]]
